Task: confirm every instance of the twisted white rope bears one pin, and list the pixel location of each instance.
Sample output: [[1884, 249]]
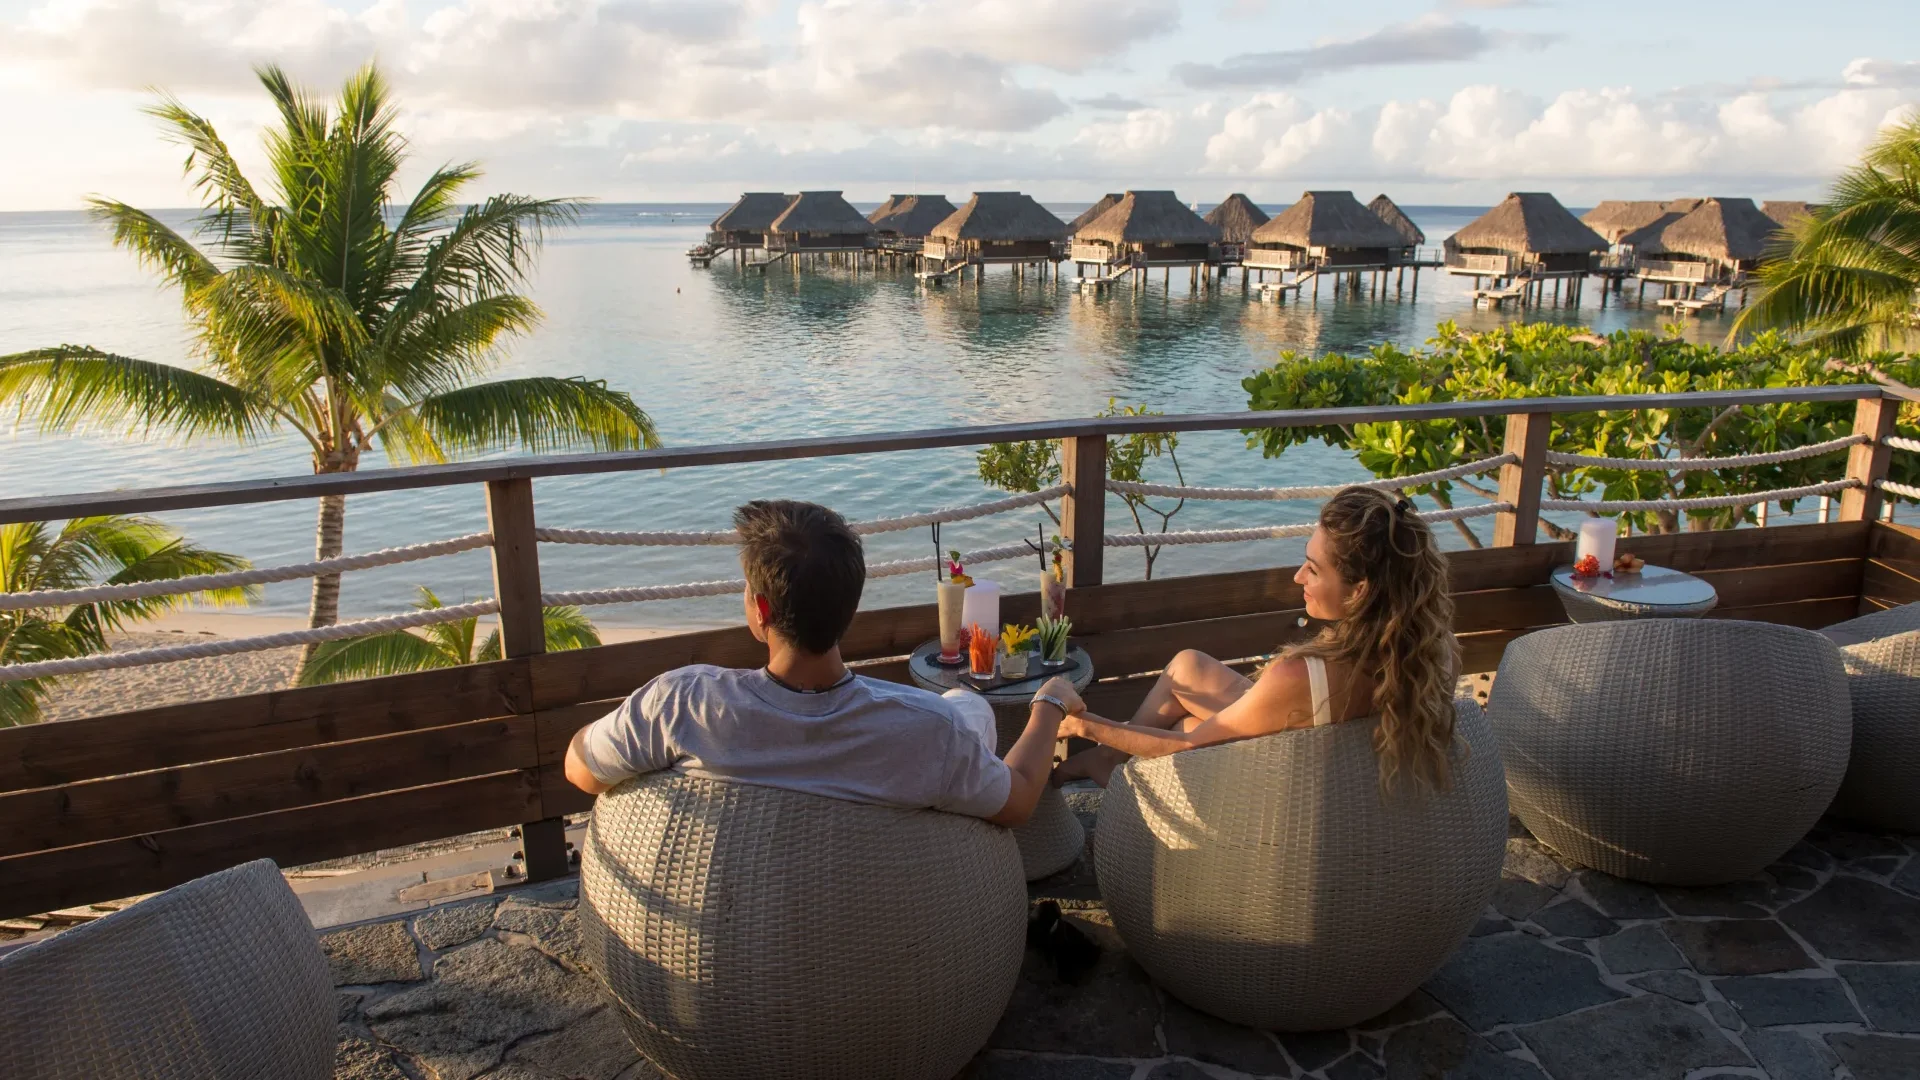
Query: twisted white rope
[[1711, 502], [862, 528], [53, 598], [200, 649], [1278, 532], [1322, 491], [1906, 490], [1901, 442], [1733, 461]]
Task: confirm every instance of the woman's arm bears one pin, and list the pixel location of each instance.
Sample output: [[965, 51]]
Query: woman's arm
[[1272, 704]]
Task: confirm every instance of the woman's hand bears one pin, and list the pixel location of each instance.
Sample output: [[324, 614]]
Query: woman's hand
[[1073, 727]]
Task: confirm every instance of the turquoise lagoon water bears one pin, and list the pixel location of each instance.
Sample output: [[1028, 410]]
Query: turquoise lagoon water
[[718, 355]]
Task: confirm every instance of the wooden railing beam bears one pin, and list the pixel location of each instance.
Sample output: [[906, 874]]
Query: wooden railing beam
[[1520, 481], [1083, 512], [1867, 462]]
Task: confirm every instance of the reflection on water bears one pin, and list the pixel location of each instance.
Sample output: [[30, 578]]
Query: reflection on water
[[723, 355]]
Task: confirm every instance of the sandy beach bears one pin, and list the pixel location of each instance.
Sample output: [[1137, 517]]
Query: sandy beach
[[105, 692]]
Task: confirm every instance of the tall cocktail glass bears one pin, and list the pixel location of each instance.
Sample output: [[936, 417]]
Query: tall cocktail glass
[[952, 596], [1053, 595]]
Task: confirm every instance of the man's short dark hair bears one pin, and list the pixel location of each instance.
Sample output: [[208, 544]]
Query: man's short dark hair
[[808, 565]]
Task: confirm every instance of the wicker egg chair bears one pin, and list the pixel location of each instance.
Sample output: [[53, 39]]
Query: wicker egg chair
[[218, 979], [1271, 883], [757, 933], [1882, 786], [1672, 751]]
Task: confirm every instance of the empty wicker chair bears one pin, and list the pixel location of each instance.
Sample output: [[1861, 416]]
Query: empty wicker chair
[[1882, 654], [218, 979], [1672, 751], [756, 933], [1268, 882]]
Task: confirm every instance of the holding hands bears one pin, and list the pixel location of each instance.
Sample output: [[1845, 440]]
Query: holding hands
[[1062, 690]]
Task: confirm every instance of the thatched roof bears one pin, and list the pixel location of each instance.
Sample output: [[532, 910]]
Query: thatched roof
[[1613, 219], [1092, 213], [1529, 221], [1237, 218], [1385, 209], [911, 215], [1785, 213], [1729, 229], [820, 212], [1000, 215], [1328, 219], [1149, 217], [753, 212]]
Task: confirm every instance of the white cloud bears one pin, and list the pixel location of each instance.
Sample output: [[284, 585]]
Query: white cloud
[[1429, 39], [1870, 72]]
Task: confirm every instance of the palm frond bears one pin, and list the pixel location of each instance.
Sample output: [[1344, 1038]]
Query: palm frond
[[568, 628], [396, 653], [537, 414], [242, 220], [429, 212], [157, 246], [72, 386], [443, 348]]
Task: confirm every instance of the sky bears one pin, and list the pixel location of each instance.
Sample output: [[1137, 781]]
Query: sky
[[1432, 101]]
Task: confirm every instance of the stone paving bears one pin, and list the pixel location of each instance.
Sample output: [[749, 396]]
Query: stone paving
[[1811, 970]]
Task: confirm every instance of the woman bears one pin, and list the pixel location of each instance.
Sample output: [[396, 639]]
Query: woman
[[1372, 571]]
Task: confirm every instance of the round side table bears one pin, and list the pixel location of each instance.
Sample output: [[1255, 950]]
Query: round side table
[[1052, 838], [1656, 592]]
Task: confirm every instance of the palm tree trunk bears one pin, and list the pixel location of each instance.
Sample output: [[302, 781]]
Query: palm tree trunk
[[329, 538]]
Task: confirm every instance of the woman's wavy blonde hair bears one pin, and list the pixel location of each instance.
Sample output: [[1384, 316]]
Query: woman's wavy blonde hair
[[1398, 630]]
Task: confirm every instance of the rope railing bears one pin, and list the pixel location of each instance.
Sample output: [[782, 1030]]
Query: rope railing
[[1281, 532], [57, 598], [1317, 491], [1904, 490], [1901, 442], [863, 528], [226, 647], [1690, 464], [1709, 502]]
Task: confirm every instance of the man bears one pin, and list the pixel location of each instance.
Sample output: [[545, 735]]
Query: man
[[806, 723]]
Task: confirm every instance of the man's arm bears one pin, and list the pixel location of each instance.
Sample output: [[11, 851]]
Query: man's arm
[[626, 742], [1030, 759], [576, 766]]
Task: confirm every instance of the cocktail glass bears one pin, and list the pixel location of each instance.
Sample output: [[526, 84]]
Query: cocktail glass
[[1053, 595], [952, 596]]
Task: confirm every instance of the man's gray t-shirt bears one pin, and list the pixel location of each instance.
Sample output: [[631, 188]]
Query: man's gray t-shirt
[[865, 740]]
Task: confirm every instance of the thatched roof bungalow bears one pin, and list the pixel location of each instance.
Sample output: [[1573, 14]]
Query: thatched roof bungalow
[[910, 216], [1325, 230], [1092, 213], [1529, 233], [745, 223], [819, 221], [1147, 228], [1411, 237], [1613, 219], [996, 226], [1785, 213], [1236, 219], [1714, 243]]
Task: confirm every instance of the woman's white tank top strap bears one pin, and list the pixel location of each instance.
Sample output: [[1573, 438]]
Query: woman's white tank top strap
[[1317, 682]]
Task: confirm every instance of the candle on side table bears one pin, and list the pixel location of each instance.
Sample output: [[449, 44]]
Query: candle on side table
[[1597, 537]]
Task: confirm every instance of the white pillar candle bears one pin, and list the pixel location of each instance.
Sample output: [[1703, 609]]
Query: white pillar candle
[[981, 607], [1597, 536]]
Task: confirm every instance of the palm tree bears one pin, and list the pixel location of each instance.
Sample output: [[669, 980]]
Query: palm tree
[[1849, 276], [322, 308], [447, 644], [82, 553]]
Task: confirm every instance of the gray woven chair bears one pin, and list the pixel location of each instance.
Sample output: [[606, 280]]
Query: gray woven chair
[[218, 979], [756, 933], [1672, 751], [1052, 838], [1882, 654], [1269, 883]]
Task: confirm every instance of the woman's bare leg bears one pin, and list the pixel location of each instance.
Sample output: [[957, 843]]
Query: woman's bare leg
[[1192, 688]]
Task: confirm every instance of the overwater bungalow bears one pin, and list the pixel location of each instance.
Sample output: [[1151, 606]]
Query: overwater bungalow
[[903, 221], [743, 226], [1325, 231], [818, 222], [1411, 236], [1146, 229], [1236, 219], [1717, 243], [1786, 212], [1521, 244], [995, 227], [1092, 213], [1614, 219]]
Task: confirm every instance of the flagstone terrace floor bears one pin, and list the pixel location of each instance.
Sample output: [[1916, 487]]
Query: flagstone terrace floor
[[1811, 970]]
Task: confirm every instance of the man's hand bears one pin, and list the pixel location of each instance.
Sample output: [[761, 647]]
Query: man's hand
[[1062, 688], [1073, 727]]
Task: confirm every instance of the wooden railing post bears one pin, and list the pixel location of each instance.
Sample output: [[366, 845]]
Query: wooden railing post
[[1867, 461], [1520, 481], [1083, 513], [516, 582]]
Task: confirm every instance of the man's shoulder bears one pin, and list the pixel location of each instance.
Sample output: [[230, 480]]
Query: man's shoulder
[[902, 696]]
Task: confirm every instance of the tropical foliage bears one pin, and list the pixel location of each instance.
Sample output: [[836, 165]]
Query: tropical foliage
[[82, 553], [1033, 465], [1542, 360], [448, 644], [1849, 280], [321, 307]]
